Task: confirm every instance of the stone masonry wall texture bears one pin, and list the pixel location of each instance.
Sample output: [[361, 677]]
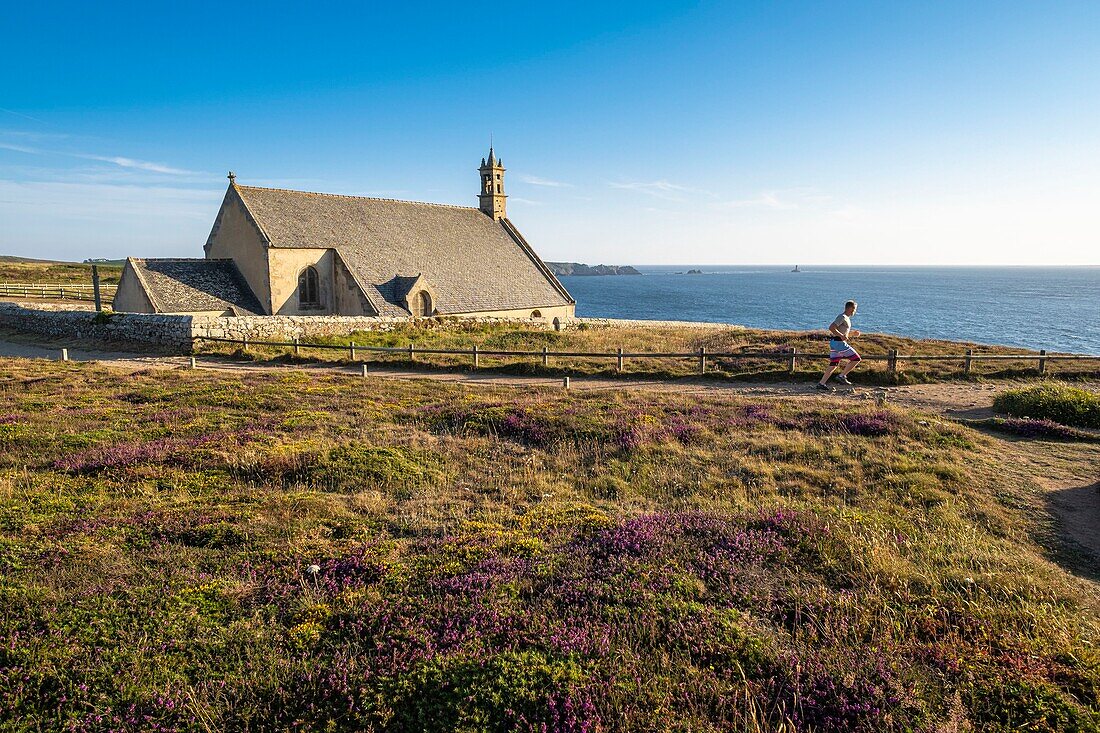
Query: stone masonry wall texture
[[176, 332], [171, 332], [276, 328]]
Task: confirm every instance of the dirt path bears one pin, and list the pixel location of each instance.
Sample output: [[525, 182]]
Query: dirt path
[[955, 399]]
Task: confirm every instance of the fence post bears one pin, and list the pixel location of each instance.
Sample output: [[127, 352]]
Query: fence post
[[351, 350], [297, 346], [619, 360], [64, 355], [193, 365], [892, 361], [95, 288], [702, 359], [1042, 361], [968, 363], [412, 352], [477, 361], [244, 343], [565, 382], [364, 369], [545, 356], [62, 291], [792, 360]]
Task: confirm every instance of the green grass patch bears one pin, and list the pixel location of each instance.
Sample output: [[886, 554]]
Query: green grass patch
[[1061, 403]]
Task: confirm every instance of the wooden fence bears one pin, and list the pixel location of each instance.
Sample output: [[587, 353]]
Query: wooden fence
[[70, 291], [701, 358]]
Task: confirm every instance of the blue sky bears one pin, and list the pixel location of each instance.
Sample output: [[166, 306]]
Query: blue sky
[[645, 133]]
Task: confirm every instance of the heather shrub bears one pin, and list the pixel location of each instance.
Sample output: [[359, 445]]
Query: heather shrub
[[1052, 401], [1032, 428], [127, 454], [553, 425]]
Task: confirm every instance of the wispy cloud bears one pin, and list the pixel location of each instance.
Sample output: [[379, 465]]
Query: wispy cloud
[[779, 199], [120, 161], [520, 200], [32, 134], [141, 165], [662, 189], [661, 186], [537, 181], [20, 148], [20, 114], [766, 200], [78, 220]]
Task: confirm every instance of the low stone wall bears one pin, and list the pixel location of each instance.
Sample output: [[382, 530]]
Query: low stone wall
[[166, 332], [283, 328], [175, 332]]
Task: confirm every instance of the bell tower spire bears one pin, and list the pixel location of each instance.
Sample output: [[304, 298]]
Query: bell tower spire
[[492, 198]]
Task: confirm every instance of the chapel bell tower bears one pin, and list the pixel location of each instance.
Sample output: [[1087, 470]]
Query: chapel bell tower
[[492, 197]]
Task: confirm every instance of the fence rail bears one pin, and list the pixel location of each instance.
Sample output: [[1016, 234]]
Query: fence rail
[[60, 291], [702, 356]]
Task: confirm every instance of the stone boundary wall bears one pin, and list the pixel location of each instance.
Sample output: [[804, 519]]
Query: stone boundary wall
[[163, 331], [175, 332], [283, 328]]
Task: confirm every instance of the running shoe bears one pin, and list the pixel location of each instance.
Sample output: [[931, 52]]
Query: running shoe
[[823, 387], [843, 379]]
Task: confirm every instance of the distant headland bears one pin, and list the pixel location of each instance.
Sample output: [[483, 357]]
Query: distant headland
[[576, 268]]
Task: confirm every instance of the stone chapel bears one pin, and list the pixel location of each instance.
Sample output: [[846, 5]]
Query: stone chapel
[[278, 252]]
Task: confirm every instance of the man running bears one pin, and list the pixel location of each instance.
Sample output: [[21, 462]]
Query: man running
[[840, 331]]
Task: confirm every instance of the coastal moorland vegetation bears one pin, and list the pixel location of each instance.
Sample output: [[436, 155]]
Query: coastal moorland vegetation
[[21, 270], [196, 551], [451, 334]]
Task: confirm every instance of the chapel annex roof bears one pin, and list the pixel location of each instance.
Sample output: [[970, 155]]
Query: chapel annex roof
[[177, 285]]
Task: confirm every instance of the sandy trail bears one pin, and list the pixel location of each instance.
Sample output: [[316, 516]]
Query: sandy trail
[[955, 399]]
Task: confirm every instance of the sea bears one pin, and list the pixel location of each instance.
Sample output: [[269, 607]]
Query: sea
[[1053, 308]]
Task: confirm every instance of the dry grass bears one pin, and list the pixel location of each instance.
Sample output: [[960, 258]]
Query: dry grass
[[56, 273]]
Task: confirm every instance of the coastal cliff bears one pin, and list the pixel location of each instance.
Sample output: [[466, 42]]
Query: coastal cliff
[[577, 268]]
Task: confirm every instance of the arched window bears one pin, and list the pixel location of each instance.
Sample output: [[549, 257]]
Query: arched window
[[423, 304], [309, 292], [536, 314]]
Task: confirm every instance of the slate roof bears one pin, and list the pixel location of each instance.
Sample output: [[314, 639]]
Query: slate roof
[[472, 262], [195, 285]]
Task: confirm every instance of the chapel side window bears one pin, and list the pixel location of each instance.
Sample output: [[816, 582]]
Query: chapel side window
[[309, 295]]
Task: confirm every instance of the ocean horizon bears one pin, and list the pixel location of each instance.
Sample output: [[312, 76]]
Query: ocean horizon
[[1040, 307]]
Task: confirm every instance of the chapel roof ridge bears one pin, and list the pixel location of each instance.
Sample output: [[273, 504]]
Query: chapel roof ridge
[[358, 198]]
